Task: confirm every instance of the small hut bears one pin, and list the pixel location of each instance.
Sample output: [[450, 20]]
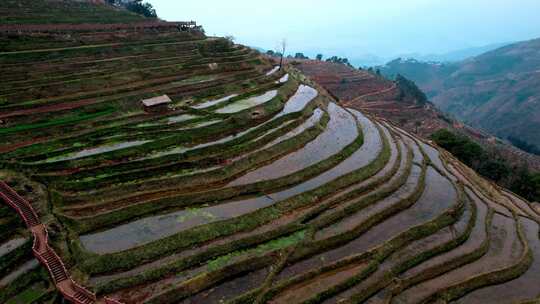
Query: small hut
[[158, 104]]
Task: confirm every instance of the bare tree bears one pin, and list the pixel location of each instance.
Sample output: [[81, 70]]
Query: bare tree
[[417, 124], [282, 49]]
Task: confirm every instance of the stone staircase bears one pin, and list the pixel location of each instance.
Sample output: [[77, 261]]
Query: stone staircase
[[45, 254]]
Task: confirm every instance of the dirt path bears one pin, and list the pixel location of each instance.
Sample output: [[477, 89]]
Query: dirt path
[[351, 102]]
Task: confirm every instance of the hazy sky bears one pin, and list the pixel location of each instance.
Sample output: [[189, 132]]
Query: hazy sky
[[354, 27]]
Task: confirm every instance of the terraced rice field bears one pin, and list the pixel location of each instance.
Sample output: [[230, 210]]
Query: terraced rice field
[[252, 186]]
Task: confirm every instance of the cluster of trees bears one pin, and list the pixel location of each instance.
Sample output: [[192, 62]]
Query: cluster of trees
[[336, 59], [409, 90], [523, 145], [371, 70], [137, 6], [319, 57], [518, 179], [273, 54], [278, 54]]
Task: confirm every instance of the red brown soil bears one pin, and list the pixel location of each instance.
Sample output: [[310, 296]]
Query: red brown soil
[[92, 26], [9, 148], [161, 84]]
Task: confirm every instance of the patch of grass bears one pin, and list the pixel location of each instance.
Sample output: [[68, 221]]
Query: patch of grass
[[17, 286], [56, 122], [29, 295], [264, 248]]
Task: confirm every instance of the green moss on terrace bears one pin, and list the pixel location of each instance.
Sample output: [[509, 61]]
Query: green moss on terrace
[[62, 11]]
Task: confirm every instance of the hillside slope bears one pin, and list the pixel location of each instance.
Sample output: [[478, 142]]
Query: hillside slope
[[63, 12], [252, 185], [498, 91], [378, 95], [403, 103]]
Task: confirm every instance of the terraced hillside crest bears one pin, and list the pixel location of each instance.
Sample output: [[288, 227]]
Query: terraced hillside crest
[[252, 185]]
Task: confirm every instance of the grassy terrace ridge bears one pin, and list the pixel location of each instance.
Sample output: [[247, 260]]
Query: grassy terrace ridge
[[251, 186], [62, 11]]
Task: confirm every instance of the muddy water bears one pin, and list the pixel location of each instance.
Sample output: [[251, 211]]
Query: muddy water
[[345, 204], [273, 70], [492, 204], [440, 238], [340, 131], [182, 149], [305, 290], [214, 102], [382, 297], [430, 205], [362, 157], [478, 235], [282, 221], [299, 100], [167, 120], [283, 79], [11, 245], [395, 149], [416, 149], [495, 205], [24, 268], [181, 118], [154, 228], [503, 252], [435, 158], [404, 221], [201, 124], [526, 287], [438, 196], [230, 289], [436, 239], [354, 247], [97, 150], [247, 103], [415, 248], [363, 215], [522, 205], [296, 103], [310, 122], [142, 293]]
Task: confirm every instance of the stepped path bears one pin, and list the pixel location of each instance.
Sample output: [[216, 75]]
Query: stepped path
[[45, 254]]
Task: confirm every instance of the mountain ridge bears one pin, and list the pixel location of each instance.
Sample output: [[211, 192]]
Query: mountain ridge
[[497, 91]]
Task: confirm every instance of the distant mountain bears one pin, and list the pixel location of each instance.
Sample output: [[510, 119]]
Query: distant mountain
[[428, 75], [259, 49], [457, 55], [366, 60], [498, 91]]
